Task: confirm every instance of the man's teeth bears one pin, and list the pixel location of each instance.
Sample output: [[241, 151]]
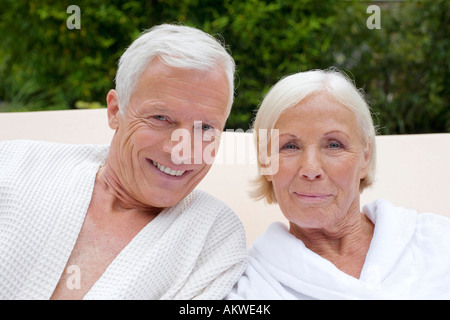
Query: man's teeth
[[168, 170]]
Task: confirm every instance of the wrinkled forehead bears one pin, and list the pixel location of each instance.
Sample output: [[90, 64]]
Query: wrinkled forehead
[[159, 75], [318, 113], [168, 88], [317, 106]]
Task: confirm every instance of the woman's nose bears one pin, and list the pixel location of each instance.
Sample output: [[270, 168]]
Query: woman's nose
[[311, 166]]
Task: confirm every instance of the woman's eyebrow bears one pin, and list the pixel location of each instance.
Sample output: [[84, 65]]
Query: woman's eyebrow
[[336, 131], [288, 135]]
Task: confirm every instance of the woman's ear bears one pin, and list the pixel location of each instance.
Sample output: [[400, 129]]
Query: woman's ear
[[367, 157], [112, 104]]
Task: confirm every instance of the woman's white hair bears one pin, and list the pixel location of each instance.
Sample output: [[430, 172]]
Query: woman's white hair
[[289, 92], [177, 46]]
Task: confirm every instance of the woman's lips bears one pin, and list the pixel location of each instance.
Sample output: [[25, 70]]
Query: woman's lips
[[313, 197]]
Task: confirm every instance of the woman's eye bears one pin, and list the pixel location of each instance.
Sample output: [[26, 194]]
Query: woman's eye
[[334, 145], [289, 146]]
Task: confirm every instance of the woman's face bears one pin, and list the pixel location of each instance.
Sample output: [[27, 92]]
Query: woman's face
[[322, 159]]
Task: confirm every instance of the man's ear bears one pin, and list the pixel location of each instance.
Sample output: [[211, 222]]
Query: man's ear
[[112, 103]]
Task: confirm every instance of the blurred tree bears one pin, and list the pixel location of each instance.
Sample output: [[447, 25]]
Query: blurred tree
[[403, 67], [47, 66], [269, 40]]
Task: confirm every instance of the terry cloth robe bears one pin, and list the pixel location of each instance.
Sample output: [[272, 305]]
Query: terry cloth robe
[[194, 250], [408, 258]]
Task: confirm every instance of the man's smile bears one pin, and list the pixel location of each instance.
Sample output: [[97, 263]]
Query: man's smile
[[167, 170]]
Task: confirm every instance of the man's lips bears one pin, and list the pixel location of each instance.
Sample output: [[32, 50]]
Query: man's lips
[[168, 170]]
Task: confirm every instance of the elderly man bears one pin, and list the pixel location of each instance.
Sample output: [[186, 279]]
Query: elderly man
[[124, 221]]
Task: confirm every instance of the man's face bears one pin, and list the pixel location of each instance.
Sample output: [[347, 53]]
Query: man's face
[[151, 162]]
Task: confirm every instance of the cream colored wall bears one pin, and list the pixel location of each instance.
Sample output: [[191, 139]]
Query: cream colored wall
[[412, 170]]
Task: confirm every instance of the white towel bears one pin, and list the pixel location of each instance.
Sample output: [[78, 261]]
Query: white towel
[[408, 258]]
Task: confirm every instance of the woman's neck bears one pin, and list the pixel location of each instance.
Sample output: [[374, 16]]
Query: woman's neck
[[346, 248]]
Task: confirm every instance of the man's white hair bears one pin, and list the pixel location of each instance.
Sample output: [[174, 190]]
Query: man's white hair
[[177, 46]]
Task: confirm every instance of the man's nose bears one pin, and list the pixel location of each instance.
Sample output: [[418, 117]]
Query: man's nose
[[180, 146]]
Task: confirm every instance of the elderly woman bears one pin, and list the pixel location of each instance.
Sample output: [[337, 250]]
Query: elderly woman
[[322, 156]]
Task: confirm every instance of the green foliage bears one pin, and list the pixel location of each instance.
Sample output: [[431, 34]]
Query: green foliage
[[46, 65], [270, 39], [403, 67]]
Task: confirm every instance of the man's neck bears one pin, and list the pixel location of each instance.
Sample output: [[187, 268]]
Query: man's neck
[[115, 197]]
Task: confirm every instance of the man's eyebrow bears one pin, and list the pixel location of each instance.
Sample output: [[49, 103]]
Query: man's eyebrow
[[155, 106], [213, 122], [159, 107]]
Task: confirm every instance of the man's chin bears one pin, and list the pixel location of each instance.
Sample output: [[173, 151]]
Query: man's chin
[[167, 198]]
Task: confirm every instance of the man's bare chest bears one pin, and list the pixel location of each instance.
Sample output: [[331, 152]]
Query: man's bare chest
[[100, 241], [93, 252]]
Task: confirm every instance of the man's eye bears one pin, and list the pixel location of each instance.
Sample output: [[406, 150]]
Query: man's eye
[[198, 125], [160, 118], [206, 127]]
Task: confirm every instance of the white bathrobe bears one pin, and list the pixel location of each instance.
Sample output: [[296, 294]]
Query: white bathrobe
[[194, 250], [408, 258]]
